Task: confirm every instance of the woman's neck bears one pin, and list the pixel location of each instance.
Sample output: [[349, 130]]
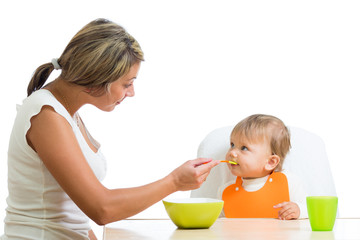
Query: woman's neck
[[71, 96]]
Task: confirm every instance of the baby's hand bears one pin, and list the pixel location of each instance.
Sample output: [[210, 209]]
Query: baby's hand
[[289, 210]]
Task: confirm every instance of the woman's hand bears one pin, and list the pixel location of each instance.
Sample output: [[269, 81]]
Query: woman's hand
[[289, 210], [192, 173]]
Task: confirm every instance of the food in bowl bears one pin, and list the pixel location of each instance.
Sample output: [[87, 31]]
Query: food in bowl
[[193, 212]]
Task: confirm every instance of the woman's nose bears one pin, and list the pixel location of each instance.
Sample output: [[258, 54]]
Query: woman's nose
[[130, 92]]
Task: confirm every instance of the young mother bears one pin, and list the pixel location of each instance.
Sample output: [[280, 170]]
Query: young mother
[[55, 166]]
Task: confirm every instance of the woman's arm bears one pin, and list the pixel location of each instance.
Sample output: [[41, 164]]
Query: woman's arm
[[52, 138]]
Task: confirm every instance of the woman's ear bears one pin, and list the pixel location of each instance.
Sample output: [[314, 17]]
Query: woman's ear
[[87, 90], [272, 162]]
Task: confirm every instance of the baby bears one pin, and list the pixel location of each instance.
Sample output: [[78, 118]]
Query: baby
[[259, 144]]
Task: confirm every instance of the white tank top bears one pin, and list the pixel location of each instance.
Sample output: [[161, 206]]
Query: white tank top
[[38, 208]]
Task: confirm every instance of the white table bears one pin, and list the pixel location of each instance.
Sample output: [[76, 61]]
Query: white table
[[224, 228]]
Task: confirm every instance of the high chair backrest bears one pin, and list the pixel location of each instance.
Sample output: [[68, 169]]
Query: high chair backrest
[[307, 160]]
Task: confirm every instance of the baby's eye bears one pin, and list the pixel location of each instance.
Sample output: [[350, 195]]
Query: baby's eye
[[244, 148], [232, 145]]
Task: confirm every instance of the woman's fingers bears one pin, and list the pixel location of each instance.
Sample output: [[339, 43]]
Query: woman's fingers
[[193, 173], [200, 161], [204, 165]]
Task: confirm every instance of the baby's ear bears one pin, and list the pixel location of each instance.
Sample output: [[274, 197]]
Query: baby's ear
[[272, 162]]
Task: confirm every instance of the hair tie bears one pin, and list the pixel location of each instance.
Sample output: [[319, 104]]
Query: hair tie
[[55, 63]]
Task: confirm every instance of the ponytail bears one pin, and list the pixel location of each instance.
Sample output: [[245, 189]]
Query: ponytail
[[39, 78]]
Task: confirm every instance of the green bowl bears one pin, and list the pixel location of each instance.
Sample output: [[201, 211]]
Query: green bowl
[[193, 212]]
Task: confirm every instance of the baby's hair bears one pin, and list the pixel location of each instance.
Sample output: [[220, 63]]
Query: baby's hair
[[266, 127]]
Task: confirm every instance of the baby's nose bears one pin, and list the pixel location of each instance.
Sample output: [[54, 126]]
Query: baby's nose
[[233, 154]]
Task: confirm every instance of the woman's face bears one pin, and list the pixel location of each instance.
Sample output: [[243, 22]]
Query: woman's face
[[118, 91]]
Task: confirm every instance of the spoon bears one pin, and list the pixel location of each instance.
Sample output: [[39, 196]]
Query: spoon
[[231, 162], [225, 161]]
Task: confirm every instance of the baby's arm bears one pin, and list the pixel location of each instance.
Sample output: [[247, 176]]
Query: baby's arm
[[288, 210], [296, 207]]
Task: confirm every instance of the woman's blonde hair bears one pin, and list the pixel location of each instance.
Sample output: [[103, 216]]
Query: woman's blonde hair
[[99, 54], [266, 127]]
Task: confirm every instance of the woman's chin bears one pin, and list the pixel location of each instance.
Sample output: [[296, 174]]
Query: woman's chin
[[107, 108]]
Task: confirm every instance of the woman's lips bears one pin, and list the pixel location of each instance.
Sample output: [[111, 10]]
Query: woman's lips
[[118, 102]]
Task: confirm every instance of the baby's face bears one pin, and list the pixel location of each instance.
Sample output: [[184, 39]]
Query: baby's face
[[250, 156]]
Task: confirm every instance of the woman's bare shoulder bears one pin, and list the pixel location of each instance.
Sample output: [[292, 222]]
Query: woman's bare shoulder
[[46, 124]]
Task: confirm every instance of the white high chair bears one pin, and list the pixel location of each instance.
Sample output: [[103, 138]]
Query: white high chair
[[307, 160]]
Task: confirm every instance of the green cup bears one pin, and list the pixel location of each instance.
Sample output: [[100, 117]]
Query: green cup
[[322, 212]]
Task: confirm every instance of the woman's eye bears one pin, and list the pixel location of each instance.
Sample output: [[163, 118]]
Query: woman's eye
[[244, 148]]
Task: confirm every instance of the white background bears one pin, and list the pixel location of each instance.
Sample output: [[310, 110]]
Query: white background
[[208, 64]]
